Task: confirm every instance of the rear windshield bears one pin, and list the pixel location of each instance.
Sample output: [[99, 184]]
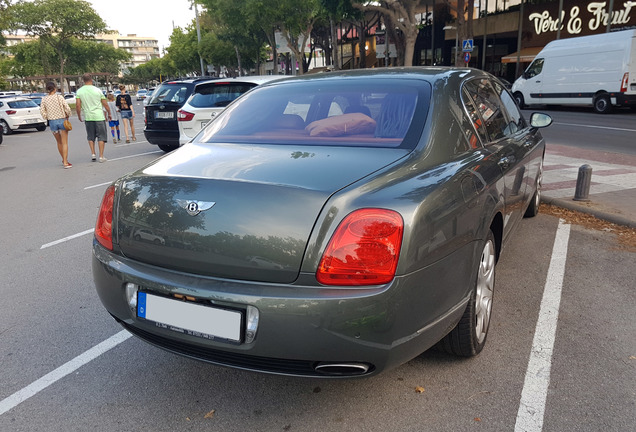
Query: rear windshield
[[173, 92], [218, 94], [342, 112], [22, 104]]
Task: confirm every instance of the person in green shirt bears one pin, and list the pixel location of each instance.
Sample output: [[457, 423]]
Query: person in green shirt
[[90, 106]]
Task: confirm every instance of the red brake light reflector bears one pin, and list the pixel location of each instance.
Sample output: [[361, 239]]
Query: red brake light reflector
[[184, 115], [364, 250], [9, 112], [624, 82], [104, 225]]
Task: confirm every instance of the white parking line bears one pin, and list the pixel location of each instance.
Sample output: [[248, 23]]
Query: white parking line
[[37, 386], [135, 155], [535, 387], [97, 185], [71, 237]]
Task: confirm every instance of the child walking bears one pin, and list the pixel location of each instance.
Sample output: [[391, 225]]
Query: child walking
[[114, 115]]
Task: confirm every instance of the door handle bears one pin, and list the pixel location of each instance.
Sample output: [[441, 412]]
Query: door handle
[[528, 144]]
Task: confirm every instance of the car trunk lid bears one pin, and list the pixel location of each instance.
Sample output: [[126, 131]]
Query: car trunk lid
[[235, 211]]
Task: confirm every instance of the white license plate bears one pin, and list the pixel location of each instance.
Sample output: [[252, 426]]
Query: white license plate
[[164, 114], [32, 120], [190, 318]]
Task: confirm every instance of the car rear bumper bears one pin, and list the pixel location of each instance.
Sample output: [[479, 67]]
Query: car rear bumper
[[623, 99], [29, 125], [300, 328], [162, 137]]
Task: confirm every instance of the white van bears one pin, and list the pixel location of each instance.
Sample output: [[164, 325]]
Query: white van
[[597, 70]]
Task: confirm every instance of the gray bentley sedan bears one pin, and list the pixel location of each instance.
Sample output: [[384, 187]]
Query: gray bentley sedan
[[331, 225]]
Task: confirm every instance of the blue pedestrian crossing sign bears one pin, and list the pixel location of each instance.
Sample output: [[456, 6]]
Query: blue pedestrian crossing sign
[[467, 45]]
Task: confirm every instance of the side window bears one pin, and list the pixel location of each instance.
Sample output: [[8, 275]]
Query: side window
[[516, 119], [475, 119], [489, 106], [534, 69]]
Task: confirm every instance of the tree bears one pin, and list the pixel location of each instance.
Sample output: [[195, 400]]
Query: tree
[[183, 51], [400, 15], [57, 23]]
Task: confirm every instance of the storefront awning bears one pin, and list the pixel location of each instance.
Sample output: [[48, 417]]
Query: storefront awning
[[526, 55]]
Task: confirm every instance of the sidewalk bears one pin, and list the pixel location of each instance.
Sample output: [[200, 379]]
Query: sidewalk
[[613, 188]]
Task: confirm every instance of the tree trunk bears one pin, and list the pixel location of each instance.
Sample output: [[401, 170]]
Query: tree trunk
[[61, 71]]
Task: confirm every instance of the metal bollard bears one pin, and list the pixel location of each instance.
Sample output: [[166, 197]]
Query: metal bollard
[[583, 182]]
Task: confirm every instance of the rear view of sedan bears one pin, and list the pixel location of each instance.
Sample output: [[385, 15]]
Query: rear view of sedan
[[332, 225], [20, 113], [209, 99]]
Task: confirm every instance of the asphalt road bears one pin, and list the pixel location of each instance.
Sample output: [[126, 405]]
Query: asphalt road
[[583, 128], [53, 379]]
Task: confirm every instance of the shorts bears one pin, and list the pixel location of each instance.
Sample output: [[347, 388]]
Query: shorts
[[56, 125], [113, 123], [96, 130], [126, 114]]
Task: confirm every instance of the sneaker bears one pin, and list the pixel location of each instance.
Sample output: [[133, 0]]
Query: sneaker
[[93, 157], [102, 159], [114, 141], [70, 165]]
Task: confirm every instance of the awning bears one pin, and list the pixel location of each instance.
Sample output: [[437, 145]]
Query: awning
[[526, 55]]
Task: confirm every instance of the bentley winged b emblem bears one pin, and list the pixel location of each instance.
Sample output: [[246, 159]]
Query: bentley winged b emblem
[[195, 207]]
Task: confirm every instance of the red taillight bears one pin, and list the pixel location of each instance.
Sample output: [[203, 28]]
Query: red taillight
[[624, 82], [364, 250], [184, 115], [104, 225], [9, 112]]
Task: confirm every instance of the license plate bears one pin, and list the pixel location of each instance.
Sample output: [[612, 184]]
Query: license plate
[[31, 120], [164, 114], [190, 318]]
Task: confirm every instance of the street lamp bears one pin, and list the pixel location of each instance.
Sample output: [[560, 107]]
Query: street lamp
[[456, 41]]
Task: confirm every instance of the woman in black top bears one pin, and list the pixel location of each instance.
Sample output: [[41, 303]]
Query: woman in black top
[[125, 107]]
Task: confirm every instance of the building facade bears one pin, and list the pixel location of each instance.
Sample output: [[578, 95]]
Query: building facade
[[142, 49]]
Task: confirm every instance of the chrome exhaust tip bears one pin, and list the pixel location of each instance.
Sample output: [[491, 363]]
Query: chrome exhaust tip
[[342, 369]]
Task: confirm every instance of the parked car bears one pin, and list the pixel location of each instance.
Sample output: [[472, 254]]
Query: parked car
[[20, 113], [161, 112], [210, 98], [148, 96], [148, 235], [35, 97], [70, 98], [328, 225], [141, 94]]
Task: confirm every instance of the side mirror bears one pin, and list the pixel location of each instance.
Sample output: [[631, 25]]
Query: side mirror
[[540, 120]]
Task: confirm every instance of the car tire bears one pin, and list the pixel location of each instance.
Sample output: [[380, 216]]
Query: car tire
[[6, 130], [167, 148], [41, 128], [602, 103], [468, 338], [137, 237], [519, 98], [535, 202]]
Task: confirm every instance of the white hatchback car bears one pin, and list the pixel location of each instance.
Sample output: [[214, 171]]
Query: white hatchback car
[[210, 98], [20, 113]]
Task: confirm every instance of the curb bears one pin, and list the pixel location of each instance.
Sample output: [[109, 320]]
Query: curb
[[570, 205]]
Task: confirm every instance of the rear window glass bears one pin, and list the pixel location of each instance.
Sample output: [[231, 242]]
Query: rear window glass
[[369, 113], [218, 94], [22, 104], [172, 93]]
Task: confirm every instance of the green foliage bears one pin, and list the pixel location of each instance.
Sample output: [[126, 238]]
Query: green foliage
[[183, 51], [155, 70]]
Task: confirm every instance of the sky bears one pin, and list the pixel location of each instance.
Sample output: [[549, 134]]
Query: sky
[[145, 18]]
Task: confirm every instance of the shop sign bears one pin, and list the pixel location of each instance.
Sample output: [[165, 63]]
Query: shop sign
[[541, 22]]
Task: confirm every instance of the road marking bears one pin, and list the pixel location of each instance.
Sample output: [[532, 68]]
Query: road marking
[[97, 185], [65, 239], [37, 386], [596, 127], [535, 387], [136, 155]]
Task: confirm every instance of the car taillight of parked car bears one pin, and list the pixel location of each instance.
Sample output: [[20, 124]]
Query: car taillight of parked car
[[184, 115], [364, 250], [104, 225], [9, 112]]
